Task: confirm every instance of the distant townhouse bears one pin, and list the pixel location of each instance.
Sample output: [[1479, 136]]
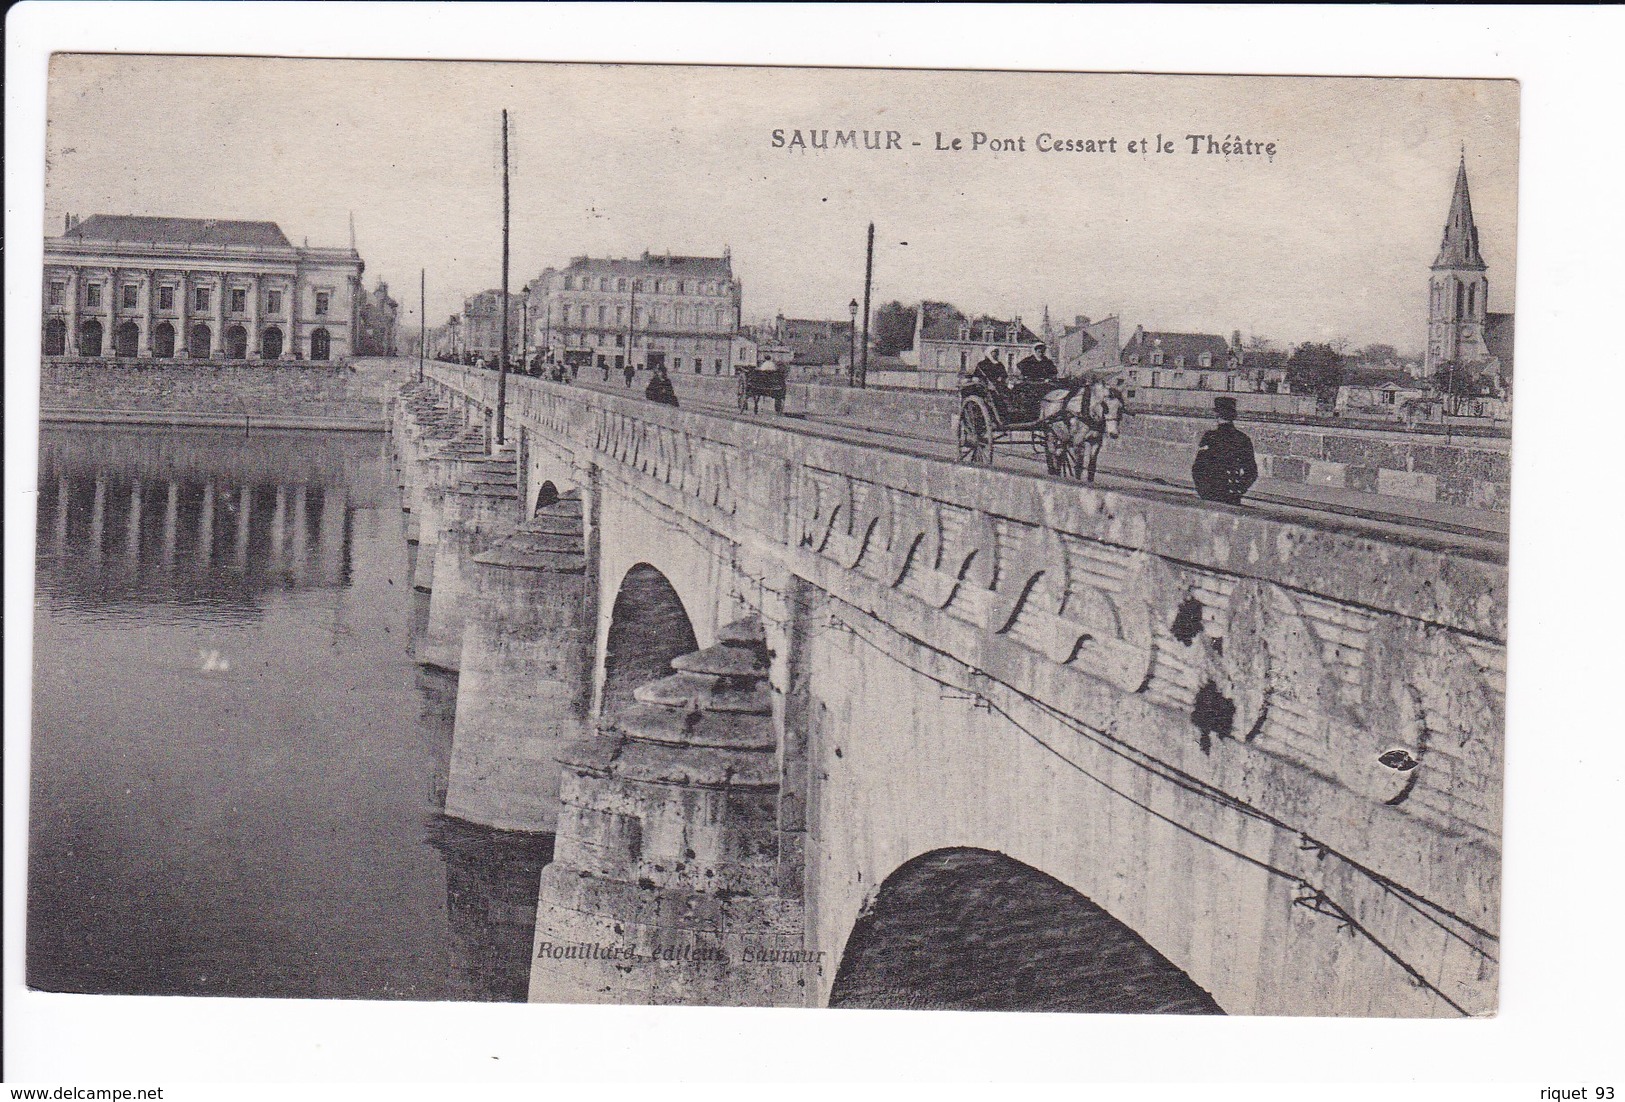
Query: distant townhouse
[[379, 317], [1088, 347], [949, 343], [480, 328], [1180, 361], [680, 312], [136, 287]]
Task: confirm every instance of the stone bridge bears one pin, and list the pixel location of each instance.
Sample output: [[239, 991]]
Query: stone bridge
[[824, 724]]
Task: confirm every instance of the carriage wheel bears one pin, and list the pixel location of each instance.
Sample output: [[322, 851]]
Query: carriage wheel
[[1058, 456], [975, 432]]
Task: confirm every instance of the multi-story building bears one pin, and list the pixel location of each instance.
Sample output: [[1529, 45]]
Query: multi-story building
[[681, 312], [1181, 361], [1461, 330], [1088, 347], [134, 287], [481, 326], [948, 343], [812, 347], [379, 316]]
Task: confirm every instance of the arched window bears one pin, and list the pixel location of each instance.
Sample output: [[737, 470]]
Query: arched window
[[56, 337], [271, 343], [236, 343], [163, 341], [197, 342], [1472, 300], [321, 345], [1459, 298], [127, 341], [90, 338]]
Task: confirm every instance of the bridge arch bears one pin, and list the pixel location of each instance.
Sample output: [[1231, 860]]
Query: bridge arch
[[648, 627], [971, 929]]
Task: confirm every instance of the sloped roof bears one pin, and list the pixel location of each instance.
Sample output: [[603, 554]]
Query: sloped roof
[[1459, 248], [700, 267], [941, 321], [178, 231], [1174, 345]]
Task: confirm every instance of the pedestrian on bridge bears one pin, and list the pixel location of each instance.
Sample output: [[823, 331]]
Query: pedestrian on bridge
[[660, 388], [1225, 468]]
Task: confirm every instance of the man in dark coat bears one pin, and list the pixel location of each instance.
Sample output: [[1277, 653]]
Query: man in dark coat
[[1038, 367], [1225, 468], [1037, 372], [660, 388]]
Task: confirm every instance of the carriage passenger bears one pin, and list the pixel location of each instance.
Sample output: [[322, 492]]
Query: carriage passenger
[[991, 371]]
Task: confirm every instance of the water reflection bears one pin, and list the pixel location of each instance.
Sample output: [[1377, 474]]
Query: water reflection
[[238, 772]]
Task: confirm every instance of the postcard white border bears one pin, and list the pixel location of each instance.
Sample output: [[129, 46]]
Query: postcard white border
[[1561, 969]]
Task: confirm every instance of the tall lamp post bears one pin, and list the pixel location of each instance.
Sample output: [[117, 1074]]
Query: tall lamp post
[[852, 356]]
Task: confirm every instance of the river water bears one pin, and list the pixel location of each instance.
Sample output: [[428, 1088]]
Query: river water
[[237, 768]]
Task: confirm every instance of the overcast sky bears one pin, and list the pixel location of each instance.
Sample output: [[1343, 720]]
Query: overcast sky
[[1330, 238]]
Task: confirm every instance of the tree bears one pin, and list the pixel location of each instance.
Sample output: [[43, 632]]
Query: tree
[[1315, 369], [893, 329], [1377, 355]]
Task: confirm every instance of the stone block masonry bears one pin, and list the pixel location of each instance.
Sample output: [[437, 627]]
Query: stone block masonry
[[273, 395], [526, 676]]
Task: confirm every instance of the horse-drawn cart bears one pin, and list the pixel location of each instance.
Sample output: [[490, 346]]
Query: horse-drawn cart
[[1058, 419], [764, 380]]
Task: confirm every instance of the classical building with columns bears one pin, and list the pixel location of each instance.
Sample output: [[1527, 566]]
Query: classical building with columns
[[132, 287]]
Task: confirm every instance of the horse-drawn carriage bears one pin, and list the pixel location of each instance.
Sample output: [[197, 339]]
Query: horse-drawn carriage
[[764, 380], [1063, 420]]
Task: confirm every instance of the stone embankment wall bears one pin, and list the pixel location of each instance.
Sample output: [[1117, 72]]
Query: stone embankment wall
[[267, 395], [1473, 472]]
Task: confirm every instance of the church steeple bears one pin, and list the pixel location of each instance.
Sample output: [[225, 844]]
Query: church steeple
[[1459, 249], [1458, 289]]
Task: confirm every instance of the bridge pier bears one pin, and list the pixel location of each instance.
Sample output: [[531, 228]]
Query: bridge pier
[[526, 672], [664, 887], [439, 469], [475, 511]]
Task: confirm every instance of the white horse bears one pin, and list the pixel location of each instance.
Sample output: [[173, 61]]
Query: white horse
[[1076, 419]]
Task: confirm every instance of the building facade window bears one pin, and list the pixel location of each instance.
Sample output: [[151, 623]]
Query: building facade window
[[93, 295], [273, 302], [57, 295], [200, 298], [128, 296], [323, 300], [166, 298], [239, 300]]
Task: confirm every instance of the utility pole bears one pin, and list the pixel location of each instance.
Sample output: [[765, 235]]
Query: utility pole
[[502, 362], [423, 318], [631, 318], [868, 284]]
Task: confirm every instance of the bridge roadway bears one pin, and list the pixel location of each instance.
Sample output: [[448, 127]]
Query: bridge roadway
[[803, 677], [1477, 532]]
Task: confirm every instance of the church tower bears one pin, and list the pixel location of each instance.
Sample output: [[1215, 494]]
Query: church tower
[[1459, 291]]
